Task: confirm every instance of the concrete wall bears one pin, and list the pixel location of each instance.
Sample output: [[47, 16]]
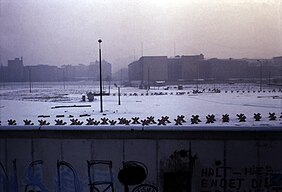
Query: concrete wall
[[239, 161]]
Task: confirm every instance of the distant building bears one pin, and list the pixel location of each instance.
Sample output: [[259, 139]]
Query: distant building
[[121, 75], [15, 70], [94, 70], [277, 72], [134, 71], [224, 69], [193, 68], [149, 69], [162, 68], [154, 68], [277, 60], [184, 67], [190, 66], [81, 72], [174, 69], [68, 72], [39, 73], [4, 74]]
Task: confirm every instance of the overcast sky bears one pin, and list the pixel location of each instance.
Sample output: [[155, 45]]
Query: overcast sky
[[60, 32]]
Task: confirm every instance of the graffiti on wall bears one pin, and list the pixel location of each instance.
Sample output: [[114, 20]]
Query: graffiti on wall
[[177, 170], [246, 179], [217, 178], [67, 180], [8, 182], [34, 177]]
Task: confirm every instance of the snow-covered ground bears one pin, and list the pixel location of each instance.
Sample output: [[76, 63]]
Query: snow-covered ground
[[50, 102]]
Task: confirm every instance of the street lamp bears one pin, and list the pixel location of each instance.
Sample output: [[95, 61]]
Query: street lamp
[[198, 76], [261, 76], [148, 88], [101, 94], [118, 95]]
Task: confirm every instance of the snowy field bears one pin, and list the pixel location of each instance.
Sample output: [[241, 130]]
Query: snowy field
[[50, 102]]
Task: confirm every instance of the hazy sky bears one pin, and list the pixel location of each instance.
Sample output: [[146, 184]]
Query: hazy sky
[[66, 31]]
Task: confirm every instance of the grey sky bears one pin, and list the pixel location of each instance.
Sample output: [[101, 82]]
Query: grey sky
[[66, 31]]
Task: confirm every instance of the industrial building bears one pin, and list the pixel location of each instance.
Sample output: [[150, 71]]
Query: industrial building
[[149, 69], [94, 70], [195, 67], [16, 71]]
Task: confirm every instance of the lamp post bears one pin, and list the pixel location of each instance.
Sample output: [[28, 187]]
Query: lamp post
[[148, 88], [261, 76], [118, 95], [101, 94], [198, 75]]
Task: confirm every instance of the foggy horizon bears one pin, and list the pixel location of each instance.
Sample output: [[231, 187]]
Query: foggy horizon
[[66, 32]]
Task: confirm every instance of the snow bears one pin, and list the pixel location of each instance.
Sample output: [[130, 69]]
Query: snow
[[18, 104]]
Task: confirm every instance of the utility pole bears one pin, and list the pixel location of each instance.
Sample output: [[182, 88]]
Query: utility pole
[[118, 95], [109, 85], [100, 58], [260, 84], [148, 88], [198, 75], [29, 78], [64, 78], [260, 76]]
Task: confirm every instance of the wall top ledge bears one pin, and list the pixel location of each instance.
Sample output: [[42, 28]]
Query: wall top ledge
[[139, 132]]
